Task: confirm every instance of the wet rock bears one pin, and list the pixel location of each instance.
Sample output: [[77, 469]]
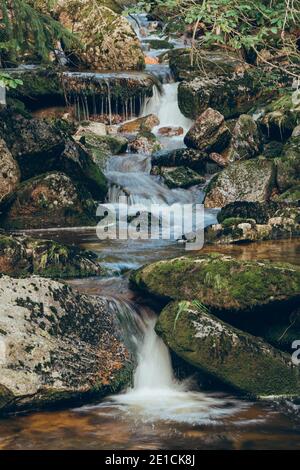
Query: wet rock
[[39, 147], [145, 143], [288, 165], [102, 147], [221, 283], [230, 95], [191, 158], [261, 212], [251, 180], [291, 195], [246, 140], [146, 123], [209, 133], [220, 160], [9, 171], [180, 177], [23, 256], [170, 131], [109, 42], [50, 200], [57, 345], [272, 149], [210, 63], [238, 359], [280, 118]]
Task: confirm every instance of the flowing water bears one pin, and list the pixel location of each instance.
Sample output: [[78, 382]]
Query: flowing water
[[159, 411]]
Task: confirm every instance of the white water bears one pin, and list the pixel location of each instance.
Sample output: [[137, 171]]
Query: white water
[[165, 106]]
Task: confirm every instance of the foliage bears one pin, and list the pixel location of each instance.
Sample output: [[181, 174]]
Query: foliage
[[7, 81], [26, 29]]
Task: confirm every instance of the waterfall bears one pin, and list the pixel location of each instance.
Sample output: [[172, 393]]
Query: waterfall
[[165, 106]]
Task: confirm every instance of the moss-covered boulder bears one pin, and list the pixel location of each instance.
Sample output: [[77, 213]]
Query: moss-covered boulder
[[191, 158], [230, 95], [222, 283], [107, 40], [50, 200], [102, 147], [261, 212], [251, 180], [210, 63], [180, 177], [57, 345], [209, 133], [291, 195], [281, 117], [240, 360], [288, 165], [9, 171], [145, 143], [144, 123], [22, 256], [246, 140]]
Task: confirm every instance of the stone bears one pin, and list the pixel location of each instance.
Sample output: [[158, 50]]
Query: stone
[[250, 180], [57, 346], [102, 147], [191, 158], [209, 133], [280, 118], [225, 285], [170, 131], [146, 123], [246, 140], [288, 165], [109, 42], [9, 171], [245, 362], [50, 200], [145, 143], [180, 177]]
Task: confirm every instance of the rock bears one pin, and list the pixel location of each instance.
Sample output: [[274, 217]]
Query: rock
[[191, 158], [291, 195], [9, 171], [246, 140], [171, 131], [251, 180], [97, 129], [212, 63], [158, 44], [57, 345], [261, 212], [230, 95], [238, 359], [288, 165], [50, 200], [22, 256], [109, 42], [273, 149], [102, 147], [219, 159], [296, 131], [209, 133], [146, 123], [180, 177], [280, 118], [38, 147], [145, 143], [222, 283]]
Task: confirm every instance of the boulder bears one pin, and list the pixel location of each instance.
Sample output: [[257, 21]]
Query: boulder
[[102, 147], [246, 140], [23, 256], [50, 200], [280, 118], [288, 165], [170, 131], [251, 180], [9, 171], [146, 123], [261, 212], [291, 195], [107, 40], [211, 63], [39, 147], [209, 133], [222, 283], [57, 345], [238, 359], [191, 158], [145, 143], [180, 177], [230, 95]]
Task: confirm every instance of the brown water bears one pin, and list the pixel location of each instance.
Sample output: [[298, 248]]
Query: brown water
[[185, 417]]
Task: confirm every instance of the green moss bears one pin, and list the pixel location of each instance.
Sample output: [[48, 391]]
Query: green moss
[[230, 222]]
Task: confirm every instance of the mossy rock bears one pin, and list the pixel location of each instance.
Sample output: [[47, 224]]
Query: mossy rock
[[288, 165], [159, 44], [238, 359], [50, 200], [221, 282], [102, 147], [181, 177], [280, 118], [291, 195]]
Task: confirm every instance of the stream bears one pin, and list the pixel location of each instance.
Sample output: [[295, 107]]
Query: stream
[[159, 411]]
